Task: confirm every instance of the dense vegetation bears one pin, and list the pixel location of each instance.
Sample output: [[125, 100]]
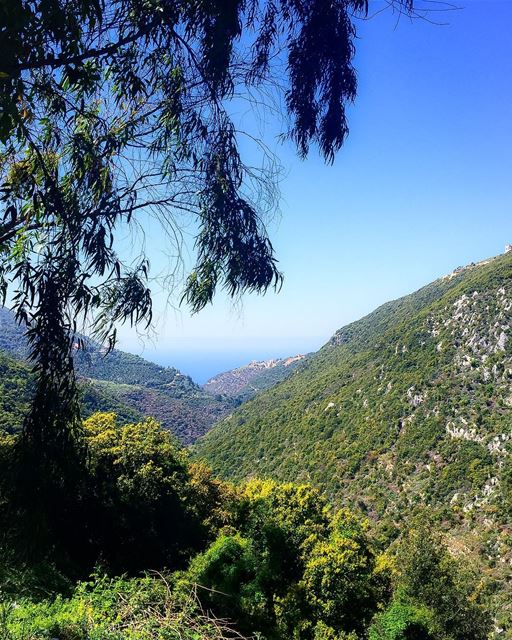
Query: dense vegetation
[[14, 392], [12, 336], [404, 410], [262, 559], [16, 388], [122, 382]]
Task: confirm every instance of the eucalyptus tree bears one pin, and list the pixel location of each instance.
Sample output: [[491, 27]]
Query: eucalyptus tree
[[115, 110]]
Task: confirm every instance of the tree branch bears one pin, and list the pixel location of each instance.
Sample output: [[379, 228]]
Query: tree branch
[[61, 61]]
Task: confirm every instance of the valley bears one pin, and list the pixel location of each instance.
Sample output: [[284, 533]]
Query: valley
[[404, 415], [127, 384], [238, 398], [134, 387]]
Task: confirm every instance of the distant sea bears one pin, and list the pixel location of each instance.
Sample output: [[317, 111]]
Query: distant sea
[[203, 361]]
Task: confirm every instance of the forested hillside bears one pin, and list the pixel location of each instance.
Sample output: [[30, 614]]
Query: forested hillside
[[14, 392], [16, 386], [147, 151], [406, 409], [122, 382], [12, 338]]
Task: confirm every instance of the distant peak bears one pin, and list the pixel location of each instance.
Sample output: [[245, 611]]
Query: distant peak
[[245, 381], [274, 362]]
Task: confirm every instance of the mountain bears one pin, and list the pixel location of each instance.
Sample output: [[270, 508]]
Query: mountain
[[245, 382], [406, 410], [12, 339], [16, 388], [152, 390], [121, 382]]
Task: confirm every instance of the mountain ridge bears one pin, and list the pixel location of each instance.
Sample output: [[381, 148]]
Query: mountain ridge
[[246, 381], [134, 387]]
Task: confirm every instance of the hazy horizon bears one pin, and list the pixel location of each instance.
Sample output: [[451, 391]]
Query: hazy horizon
[[201, 361]]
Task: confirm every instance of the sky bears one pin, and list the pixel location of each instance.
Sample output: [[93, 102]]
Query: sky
[[422, 185]]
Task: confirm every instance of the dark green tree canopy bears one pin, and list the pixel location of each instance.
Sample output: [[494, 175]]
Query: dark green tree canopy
[[115, 109]]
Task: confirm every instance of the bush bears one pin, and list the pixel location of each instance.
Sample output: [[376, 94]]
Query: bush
[[292, 569], [135, 503], [433, 595], [229, 581], [403, 621], [113, 609], [339, 579]]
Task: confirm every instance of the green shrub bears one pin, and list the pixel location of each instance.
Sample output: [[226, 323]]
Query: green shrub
[[136, 503], [403, 621], [429, 578], [148, 507], [117, 609]]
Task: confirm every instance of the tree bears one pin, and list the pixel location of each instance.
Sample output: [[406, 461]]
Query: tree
[[289, 567], [147, 505], [113, 109], [434, 598]]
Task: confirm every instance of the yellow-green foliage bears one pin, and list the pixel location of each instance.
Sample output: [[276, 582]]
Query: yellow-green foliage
[[145, 460], [291, 567], [148, 506], [275, 559], [137, 502], [336, 581]]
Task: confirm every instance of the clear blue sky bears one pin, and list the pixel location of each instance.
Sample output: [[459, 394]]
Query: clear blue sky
[[423, 185]]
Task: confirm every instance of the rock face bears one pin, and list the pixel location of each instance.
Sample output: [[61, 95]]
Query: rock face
[[244, 382], [405, 411]]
